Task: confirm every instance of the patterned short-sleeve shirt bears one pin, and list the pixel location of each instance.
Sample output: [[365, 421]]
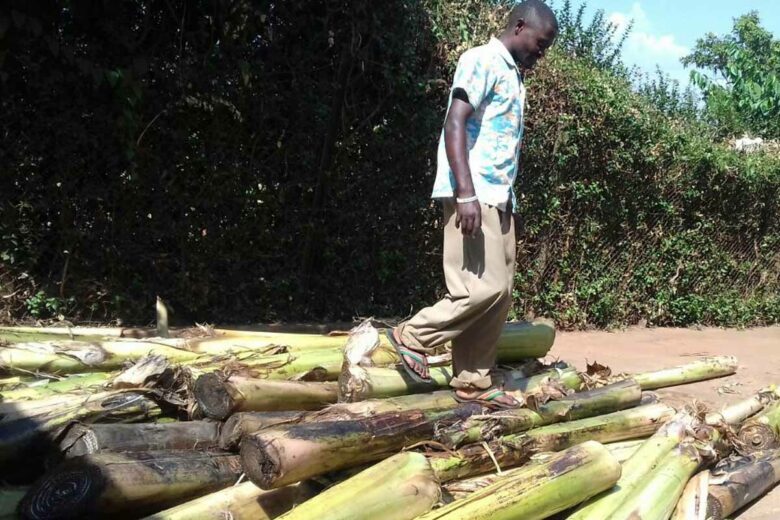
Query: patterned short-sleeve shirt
[[489, 76]]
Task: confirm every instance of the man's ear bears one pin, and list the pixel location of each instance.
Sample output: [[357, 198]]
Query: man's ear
[[519, 26]]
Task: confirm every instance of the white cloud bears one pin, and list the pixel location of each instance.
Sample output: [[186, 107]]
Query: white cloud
[[645, 47]]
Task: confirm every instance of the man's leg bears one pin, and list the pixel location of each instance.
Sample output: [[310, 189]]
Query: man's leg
[[476, 278], [474, 351]]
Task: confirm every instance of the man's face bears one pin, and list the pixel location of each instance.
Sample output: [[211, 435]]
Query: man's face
[[531, 42]]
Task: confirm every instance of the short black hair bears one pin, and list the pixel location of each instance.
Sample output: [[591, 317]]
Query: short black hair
[[534, 12]]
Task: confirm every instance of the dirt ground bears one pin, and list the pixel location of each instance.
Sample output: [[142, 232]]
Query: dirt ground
[[642, 349]]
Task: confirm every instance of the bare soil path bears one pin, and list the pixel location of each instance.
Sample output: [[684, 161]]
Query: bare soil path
[[642, 349]]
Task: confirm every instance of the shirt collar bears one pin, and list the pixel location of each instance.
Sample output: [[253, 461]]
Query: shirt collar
[[502, 51]]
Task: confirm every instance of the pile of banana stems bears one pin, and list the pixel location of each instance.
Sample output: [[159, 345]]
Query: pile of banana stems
[[216, 423]]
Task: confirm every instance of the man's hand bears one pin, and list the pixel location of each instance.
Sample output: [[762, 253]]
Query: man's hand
[[469, 218]]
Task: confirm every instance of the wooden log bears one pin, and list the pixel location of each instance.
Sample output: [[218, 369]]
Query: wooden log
[[516, 449], [611, 398], [707, 368], [276, 457], [731, 490], [82, 439], [218, 396], [141, 483], [242, 502], [398, 488], [540, 490], [761, 432]]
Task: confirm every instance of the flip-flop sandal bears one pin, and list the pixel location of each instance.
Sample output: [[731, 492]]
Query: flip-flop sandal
[[406, 351], [488, 399]]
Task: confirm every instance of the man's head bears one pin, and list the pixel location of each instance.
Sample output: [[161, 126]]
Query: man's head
[[531, 30]]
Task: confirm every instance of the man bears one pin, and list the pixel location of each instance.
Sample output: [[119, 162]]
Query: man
[[477, 164]]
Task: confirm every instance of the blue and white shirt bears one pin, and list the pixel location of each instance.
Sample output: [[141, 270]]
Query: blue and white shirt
[[489, 76]]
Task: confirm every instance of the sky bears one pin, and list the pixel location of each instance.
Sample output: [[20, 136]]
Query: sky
[[666, 30]]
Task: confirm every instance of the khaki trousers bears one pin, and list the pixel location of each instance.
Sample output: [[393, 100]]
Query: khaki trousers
[[479, 273]]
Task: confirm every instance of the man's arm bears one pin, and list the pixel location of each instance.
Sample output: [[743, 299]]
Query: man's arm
[[469, 215]]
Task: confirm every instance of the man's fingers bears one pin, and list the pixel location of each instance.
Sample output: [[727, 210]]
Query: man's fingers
[[468, 228], [457, 221], [464, 225]]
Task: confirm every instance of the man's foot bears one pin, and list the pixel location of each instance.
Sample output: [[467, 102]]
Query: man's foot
[[494, 398], [413, 361]]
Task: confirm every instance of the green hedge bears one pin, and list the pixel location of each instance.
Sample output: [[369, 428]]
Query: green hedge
[[273, 160]]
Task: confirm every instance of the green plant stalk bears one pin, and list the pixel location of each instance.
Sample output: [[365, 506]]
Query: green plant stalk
[[71, 384], [657, 496], [516, 449], [24, 424], [708, 368], [693, 501], [611, 398], [738, 412], [359, 383], [458, 489], [243, 423], [617, 426], [69, 357], [79, 439], [399, 488], [624, 450], [540, 490], [244, 501], [73, 332], [317, 365], [279, 456], [519, 341], [218, 396], [635, 470], [739, 487], [761, 432]]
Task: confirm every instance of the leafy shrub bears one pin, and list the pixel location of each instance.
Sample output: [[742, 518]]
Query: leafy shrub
[[273, 160]]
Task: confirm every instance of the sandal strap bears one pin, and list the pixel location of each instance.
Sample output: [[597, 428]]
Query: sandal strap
[[491, 395], [420, 358]]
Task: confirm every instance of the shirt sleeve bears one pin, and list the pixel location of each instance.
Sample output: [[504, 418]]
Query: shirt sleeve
[[474, 75]]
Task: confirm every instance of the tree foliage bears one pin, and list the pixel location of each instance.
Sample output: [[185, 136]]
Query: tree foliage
[[666, 94], [598, 40], [743, 92]]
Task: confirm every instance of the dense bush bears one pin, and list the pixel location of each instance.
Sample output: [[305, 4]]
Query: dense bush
[[273, 160]]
